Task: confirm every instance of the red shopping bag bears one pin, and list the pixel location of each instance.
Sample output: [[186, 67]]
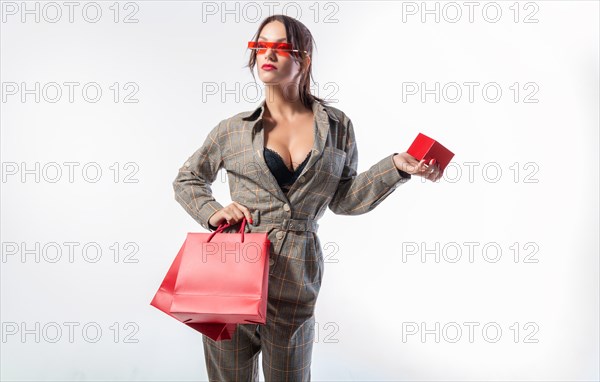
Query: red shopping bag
[[218, 280]]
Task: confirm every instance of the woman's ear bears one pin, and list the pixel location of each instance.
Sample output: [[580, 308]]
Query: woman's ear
[[306, 63]]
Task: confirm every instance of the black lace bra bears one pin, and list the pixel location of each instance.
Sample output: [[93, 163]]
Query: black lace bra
[[285, 177]]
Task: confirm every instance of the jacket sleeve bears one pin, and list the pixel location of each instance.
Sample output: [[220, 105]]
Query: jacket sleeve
[[360, 193], [192, 185]]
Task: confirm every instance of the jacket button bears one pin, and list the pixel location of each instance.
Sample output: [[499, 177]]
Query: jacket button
[[271, 262], [301, 179], [187, 164], [279, 235], [286, 207]]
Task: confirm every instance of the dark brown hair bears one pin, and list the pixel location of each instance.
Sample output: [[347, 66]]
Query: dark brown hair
[[300, 37]]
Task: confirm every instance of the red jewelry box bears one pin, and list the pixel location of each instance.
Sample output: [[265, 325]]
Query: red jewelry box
[[427, 148]]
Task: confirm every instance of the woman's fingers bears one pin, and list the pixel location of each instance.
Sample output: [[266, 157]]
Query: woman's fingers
[[432, 171], [428, 175], [437, 174], [238, 212], [245, 212], [428, 169], [235, 212], [227, 215], [230, 214]]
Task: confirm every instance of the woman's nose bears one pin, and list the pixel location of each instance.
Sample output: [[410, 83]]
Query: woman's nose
[[269, 52]]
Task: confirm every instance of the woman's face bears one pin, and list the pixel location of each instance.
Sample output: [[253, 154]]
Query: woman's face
[[283, 68]]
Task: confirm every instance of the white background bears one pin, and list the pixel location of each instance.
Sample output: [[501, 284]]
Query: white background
[[371, 289]]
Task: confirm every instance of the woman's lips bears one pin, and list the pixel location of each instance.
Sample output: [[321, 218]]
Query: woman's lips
[[268, 67]]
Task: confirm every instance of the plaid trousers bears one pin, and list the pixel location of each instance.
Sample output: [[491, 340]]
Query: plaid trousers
[[286, 339], [296, 266]]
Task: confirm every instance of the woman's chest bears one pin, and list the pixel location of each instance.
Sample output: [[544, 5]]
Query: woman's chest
[[291, 141]]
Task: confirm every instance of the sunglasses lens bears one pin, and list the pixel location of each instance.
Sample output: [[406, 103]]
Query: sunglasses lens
[[280, 48]]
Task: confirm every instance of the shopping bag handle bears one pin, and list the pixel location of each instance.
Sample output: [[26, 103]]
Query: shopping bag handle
[[223, 226]]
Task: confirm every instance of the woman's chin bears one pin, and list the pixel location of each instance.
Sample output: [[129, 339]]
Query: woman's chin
[[270, 81]]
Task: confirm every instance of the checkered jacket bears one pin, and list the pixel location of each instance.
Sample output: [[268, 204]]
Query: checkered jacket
[[329, 179]]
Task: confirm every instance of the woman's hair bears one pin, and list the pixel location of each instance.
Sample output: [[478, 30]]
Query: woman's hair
[[300, 37]]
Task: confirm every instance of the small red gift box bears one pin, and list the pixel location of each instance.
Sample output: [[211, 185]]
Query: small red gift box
[[427, 148]]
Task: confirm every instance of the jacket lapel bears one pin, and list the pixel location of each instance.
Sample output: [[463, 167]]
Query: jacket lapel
[[321, 127]]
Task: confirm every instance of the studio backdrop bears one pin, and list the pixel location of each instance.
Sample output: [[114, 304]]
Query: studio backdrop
[[491, 273]]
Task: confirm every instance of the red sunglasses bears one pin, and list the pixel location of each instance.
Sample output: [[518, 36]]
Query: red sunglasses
[[280, 48]]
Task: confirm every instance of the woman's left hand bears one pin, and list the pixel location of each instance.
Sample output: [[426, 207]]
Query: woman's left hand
[[408, 163]]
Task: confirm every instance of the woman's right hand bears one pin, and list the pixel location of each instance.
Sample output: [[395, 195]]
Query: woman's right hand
[[231, 214]]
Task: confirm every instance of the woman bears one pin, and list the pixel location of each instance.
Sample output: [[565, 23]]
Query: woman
[[286, 161]]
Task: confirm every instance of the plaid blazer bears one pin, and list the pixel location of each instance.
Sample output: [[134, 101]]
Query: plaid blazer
[[329, 179]]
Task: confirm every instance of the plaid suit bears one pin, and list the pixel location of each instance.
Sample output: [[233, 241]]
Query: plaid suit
[[296, 264]]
